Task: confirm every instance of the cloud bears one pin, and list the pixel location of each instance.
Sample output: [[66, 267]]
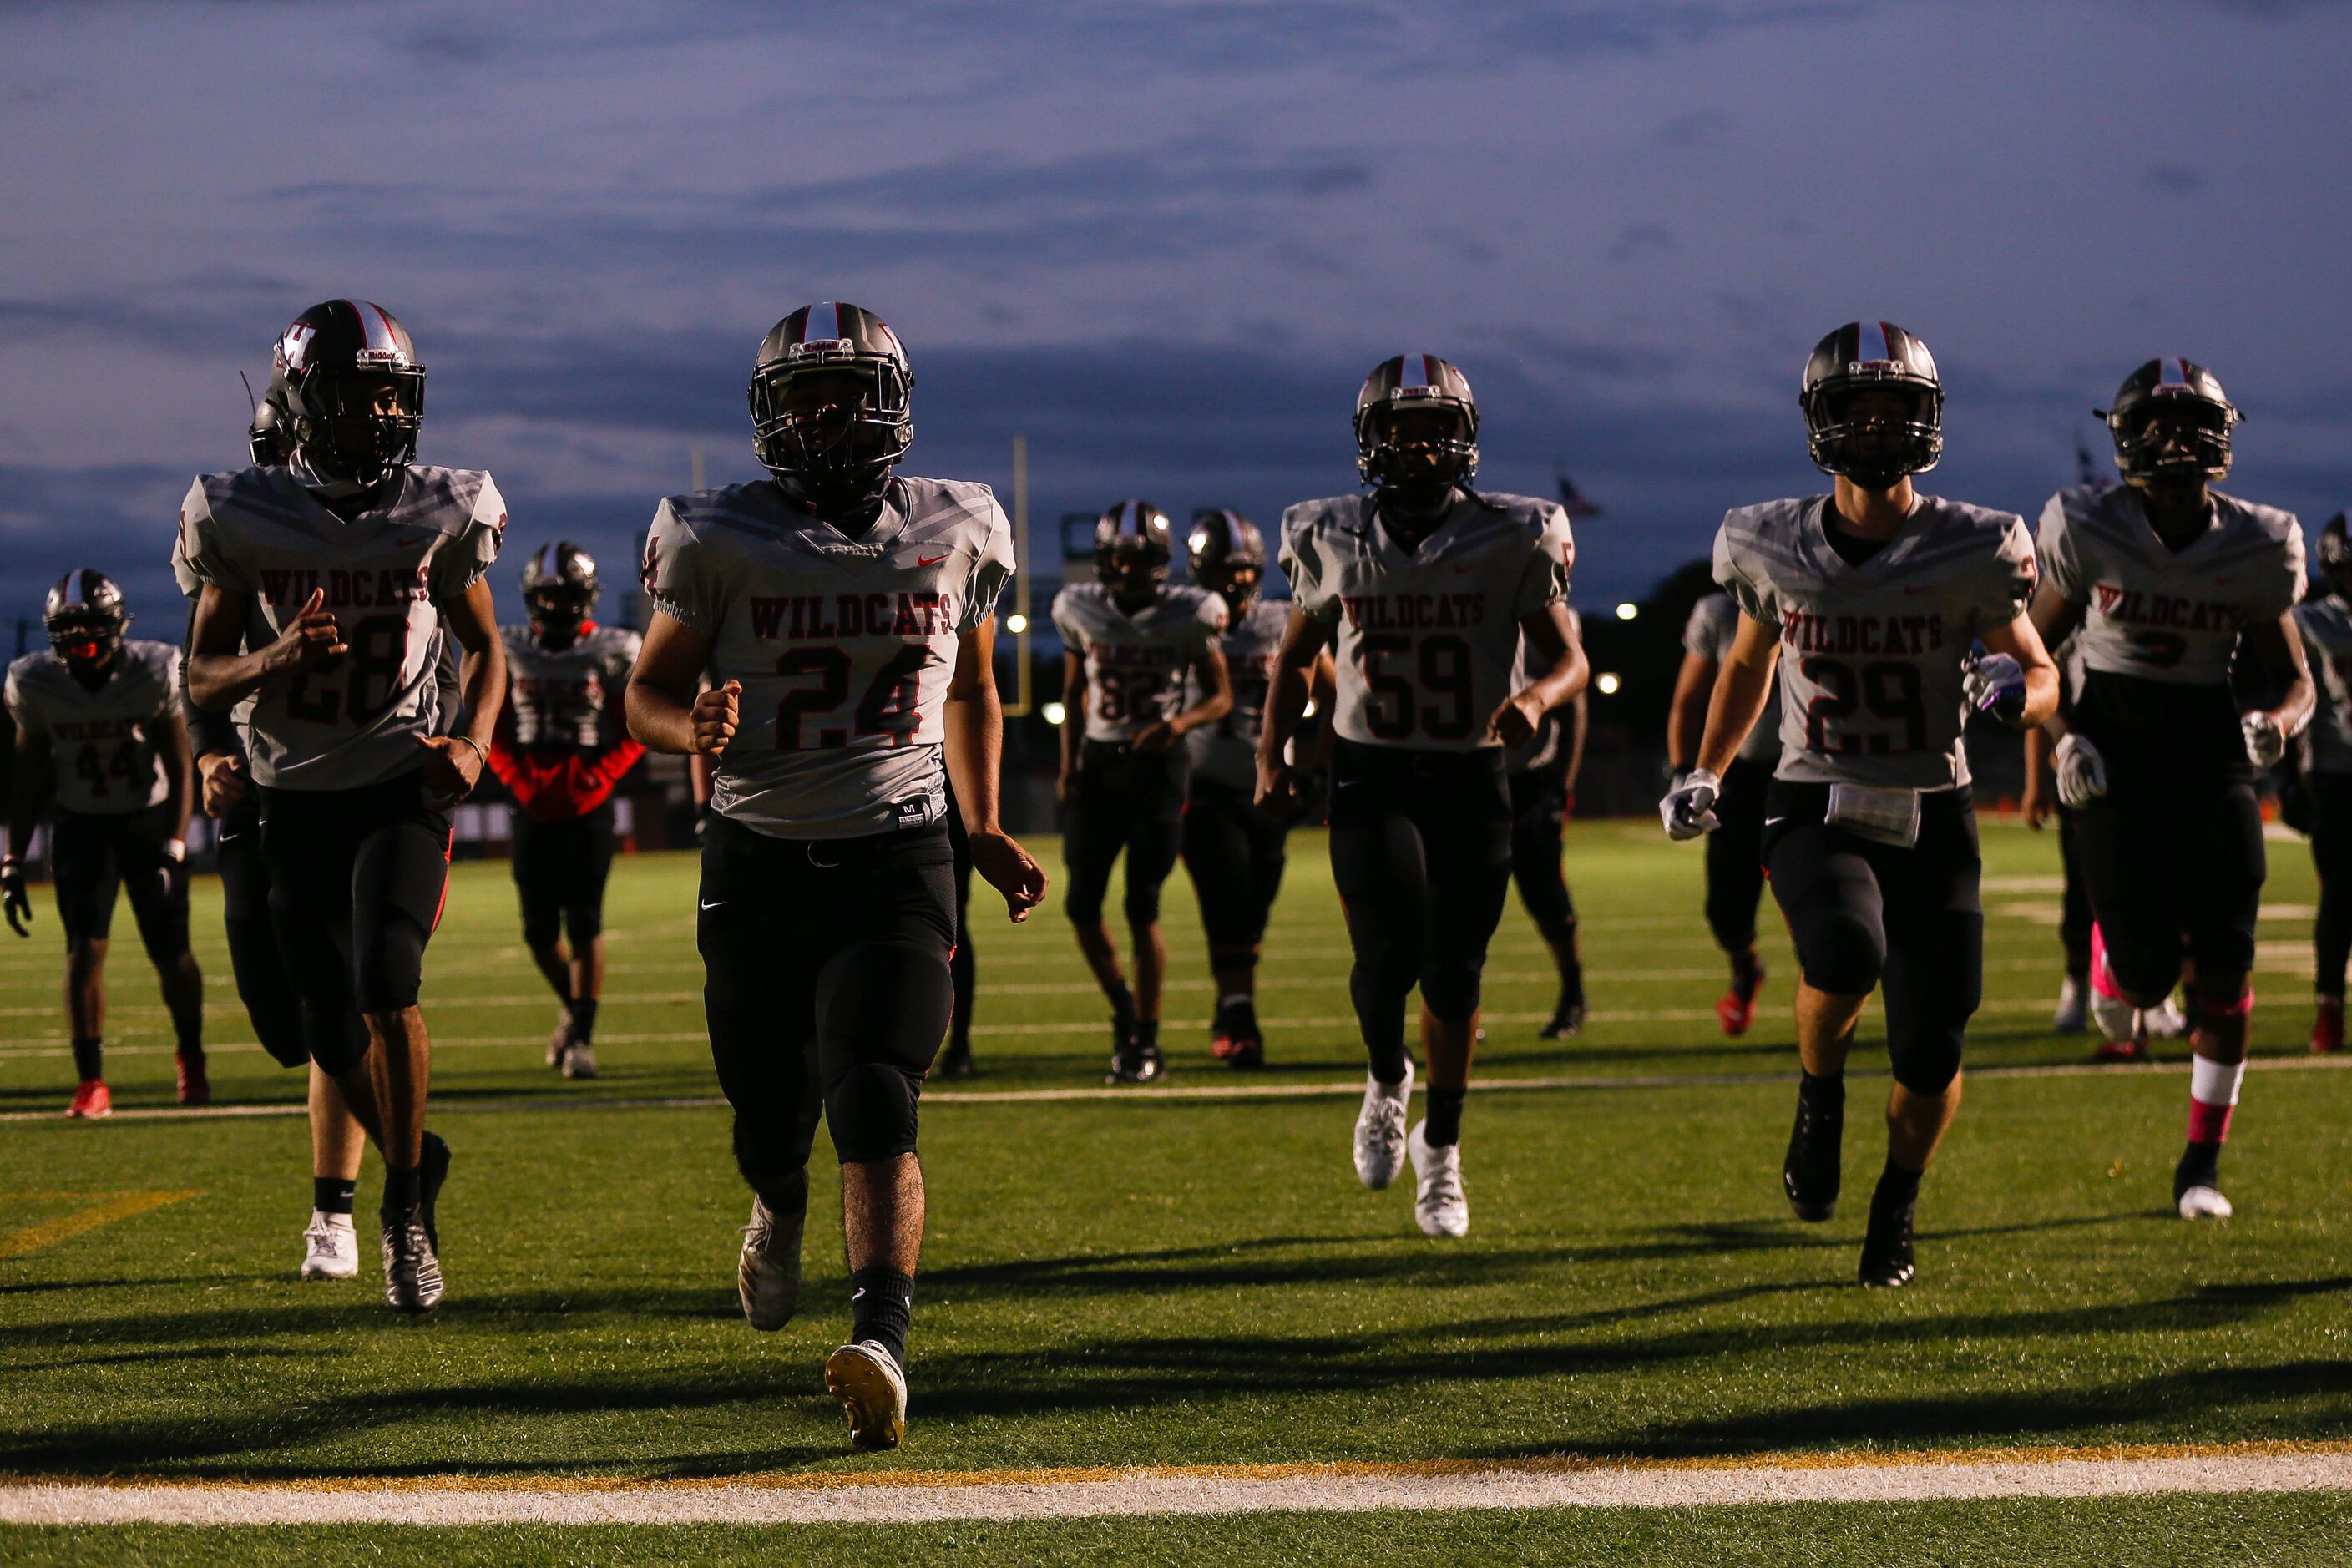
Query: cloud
[[2174, 179], [1642, 241], [1703, 129]]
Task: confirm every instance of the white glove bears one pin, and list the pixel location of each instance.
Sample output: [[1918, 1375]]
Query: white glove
[[1994, 683], [2082, 772], [1688, 809], [2265, 741]]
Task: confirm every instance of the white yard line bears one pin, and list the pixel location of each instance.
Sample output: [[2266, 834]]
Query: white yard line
[[912, 1497]]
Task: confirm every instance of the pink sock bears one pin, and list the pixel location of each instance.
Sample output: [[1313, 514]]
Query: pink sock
[[2213, 1095]]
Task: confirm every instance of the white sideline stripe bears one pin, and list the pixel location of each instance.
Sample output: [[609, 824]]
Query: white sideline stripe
[[910, 1498], [1347, 1088]]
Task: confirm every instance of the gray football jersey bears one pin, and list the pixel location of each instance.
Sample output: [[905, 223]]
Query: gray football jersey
[[1551, 736], [2326, 622], [2165, 615], [1427, 642], [1871, 653], [1136, 664], [1227, 751], [1714, 622], [355, 720], [568, 697], [845, 647], [102, 742]]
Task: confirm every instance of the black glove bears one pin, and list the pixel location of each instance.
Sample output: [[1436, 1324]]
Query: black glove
[[13, 896]]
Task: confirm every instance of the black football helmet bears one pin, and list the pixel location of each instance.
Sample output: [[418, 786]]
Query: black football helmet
[[84, 617], [560, 585], [1421, 460], [2336, 555], [270, 434], [1227, 556], [1865, 356], [1132, 549], [326, 376], [2171, 421], [835, 455]]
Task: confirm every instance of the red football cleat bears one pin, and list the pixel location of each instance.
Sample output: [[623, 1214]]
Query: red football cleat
[[2328, 1026], [91, 1100], [195, 1088], [2131, 1050], [1736, 1012]]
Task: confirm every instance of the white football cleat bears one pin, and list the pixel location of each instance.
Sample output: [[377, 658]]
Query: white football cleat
[[872, 1391], [2164, 1020], [561, 1039], [2204, 1202], [331, 1247], [2073, 1009], [579, 1059], [1439, 1205], [768, 1273], [1380, 1129]]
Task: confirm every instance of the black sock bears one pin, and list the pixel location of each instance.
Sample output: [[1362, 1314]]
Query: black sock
[[403, 1190], [1146, 1032], [90, 1060], [1387, 1061], [1821, 1090], [583, 1021], [1747, 974], [333, 1194], [189, 1034], [1571, 984], [1897, 1189], [881, 1305], [1442, 1118], [1122, 1002]]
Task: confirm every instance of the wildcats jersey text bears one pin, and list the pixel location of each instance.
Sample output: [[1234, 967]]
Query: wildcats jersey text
[[1136, 664], [2160, 614], [1227, 751], [845, 647], [568, 698], [1427, 641], [427, 536], [101, 742], [1870, 674]]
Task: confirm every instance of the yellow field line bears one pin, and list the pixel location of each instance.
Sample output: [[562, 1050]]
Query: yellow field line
[[122, 1206]]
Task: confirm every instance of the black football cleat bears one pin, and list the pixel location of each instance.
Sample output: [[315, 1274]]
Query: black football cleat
[[1886, 1250], [434, 1171], [412, 1270], [1810, 1174], [1136, 1063], [1567, 1022], [956, 1062]]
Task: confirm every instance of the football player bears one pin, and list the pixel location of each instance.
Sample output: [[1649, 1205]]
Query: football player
[[99, 728], [1128, 639], [845, 615], [2324, 619], [1734, 850], [561, 748], [1897, 613], [1543, 774], [1232, 851], [326, 584], [2164, 579], [1424, 588]]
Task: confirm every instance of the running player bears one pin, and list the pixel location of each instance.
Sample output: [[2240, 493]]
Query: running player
[[2324, 619], [326, 584], [561, 748], [1734, 850], [2166, 579], [1876, 594], [1543, 774], [845, 615], [1232, 851], [1128, 639], [99, 727], [1425, 587]]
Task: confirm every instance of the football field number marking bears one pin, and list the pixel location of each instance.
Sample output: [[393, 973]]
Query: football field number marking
[[48, 1232]]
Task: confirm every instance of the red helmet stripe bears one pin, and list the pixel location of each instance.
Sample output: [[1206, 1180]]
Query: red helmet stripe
[[1884, 345]]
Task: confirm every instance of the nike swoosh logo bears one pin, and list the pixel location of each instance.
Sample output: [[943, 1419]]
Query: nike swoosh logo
[[858, 1295], [928, 560], [713, 906], [226, 836], [1911, 588], [410, 543], [1462, 571], [1346, 784], [1771, 820]]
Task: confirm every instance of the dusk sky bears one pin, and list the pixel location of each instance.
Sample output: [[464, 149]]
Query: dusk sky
[[1164, 240]]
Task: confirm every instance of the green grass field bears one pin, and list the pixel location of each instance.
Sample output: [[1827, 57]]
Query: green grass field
[[1158, 1279]]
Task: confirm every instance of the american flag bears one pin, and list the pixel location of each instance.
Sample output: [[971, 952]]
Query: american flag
[[1574, 501]]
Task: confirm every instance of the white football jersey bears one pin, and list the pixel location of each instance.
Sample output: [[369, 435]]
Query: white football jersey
[[102, 742], [568, 697], [1714, 622], [845, 647], [1871, 651], [2326, 622], [1227, 751], [1427, 641], [2163, 614], [428, 537], [1136, 664]]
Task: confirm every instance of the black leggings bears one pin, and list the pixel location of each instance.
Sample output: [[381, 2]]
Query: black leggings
[[2075, 911], [2331, 856], [1234, 854], [1865, 914], [1421, 850], [94, 856], [269, 997], [1539, 810], [357, 878], [1122, 799], [1735, 856], [560, 870], [826, 990]]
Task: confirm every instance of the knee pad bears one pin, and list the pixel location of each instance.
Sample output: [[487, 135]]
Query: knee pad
[[391, 968], [337, 1041], [1928, 1058], [772, 1155], [1449, 988], [584, 922], [1844, 957], [543, 922], [1141, 904], [871, 1109]]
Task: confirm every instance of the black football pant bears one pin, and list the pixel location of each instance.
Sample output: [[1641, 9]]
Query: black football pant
[[1735, 856], [826, 990], [1539, 810], [1233, 853], [2075, 912], [357, 878], [1122, 799], [1421, 850], [560, 870], [2331, 856], [95, 856], [270, 999], [1868, 915]]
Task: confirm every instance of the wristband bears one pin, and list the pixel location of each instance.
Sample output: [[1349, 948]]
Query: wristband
[[477, 749]]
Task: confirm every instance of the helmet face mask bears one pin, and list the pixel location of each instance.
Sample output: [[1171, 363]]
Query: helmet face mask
[[2171, 425], [86, 620], [1417, 428], [560, 587], [1873, 405], [832, 401], [2335, 556], [1132, 550], [1226, 555], [346, 392]]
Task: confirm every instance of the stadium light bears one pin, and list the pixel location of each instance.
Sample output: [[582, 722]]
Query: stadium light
[[1055, 712], [1016, 622], [1607, 683], [1627, 612]]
